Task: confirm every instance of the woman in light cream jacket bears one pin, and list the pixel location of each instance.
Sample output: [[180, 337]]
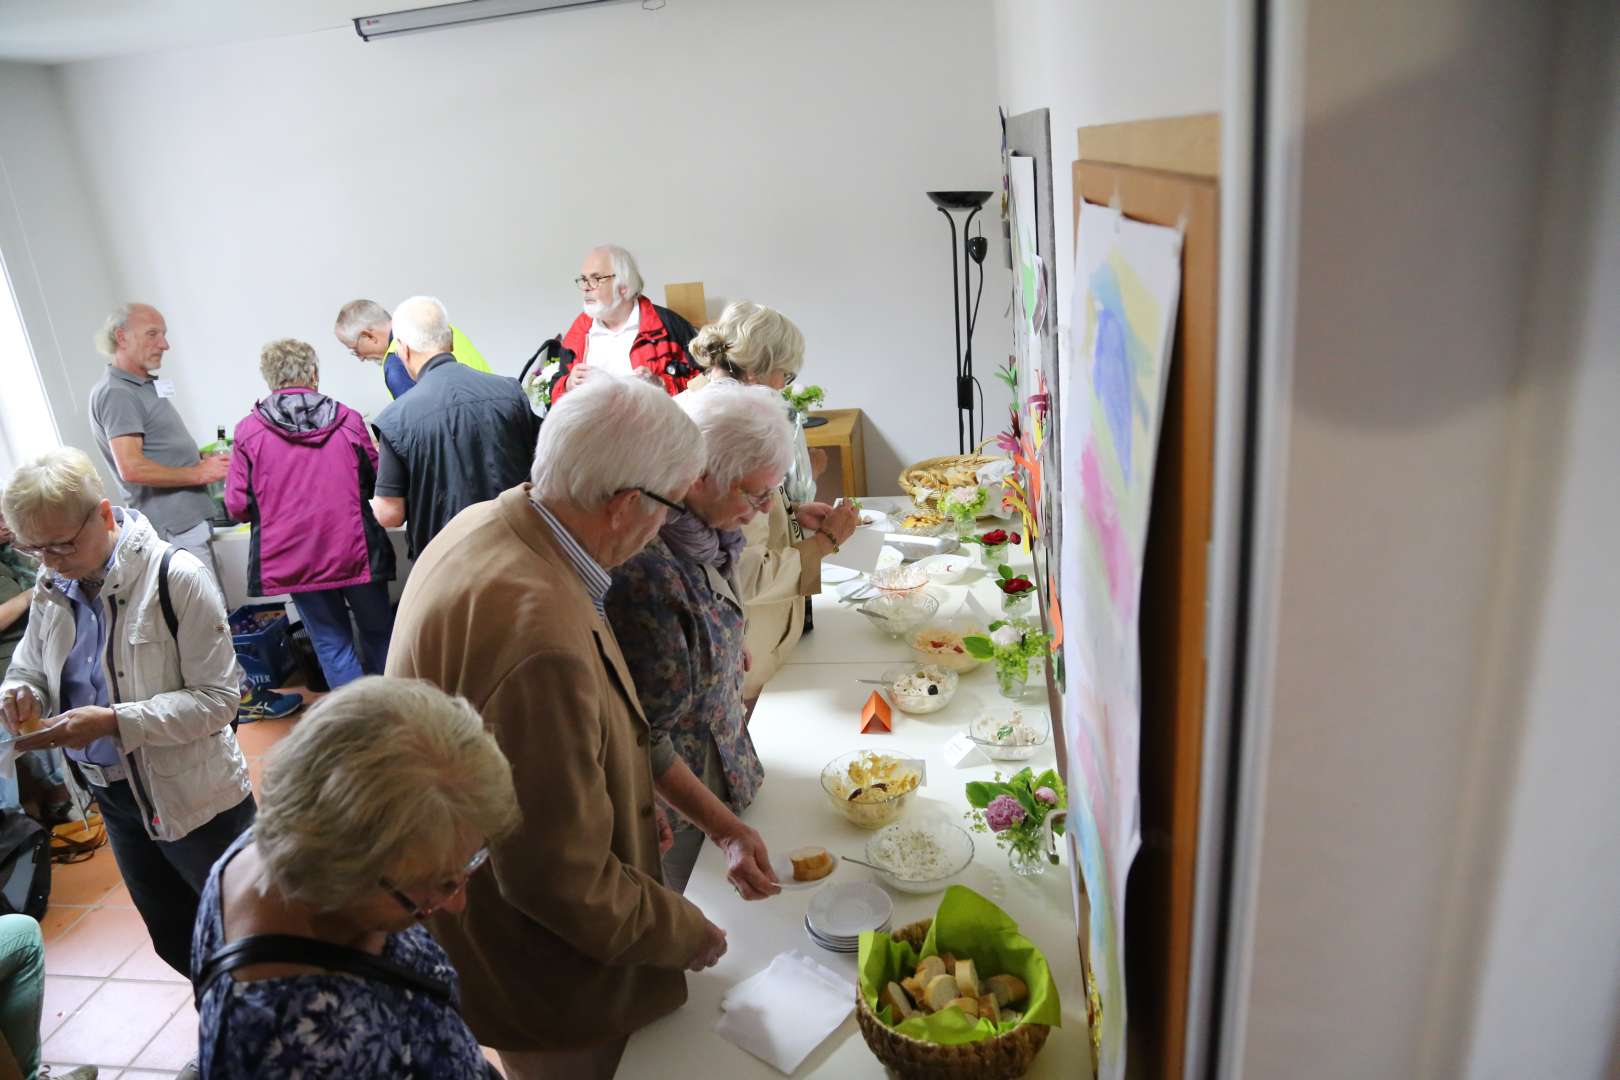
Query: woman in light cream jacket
[[781, 564]]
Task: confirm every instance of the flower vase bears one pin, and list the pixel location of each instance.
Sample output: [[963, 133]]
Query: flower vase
[[1011, 684], [966, 526], [995, 556], [1027, 860], [1017, 605]]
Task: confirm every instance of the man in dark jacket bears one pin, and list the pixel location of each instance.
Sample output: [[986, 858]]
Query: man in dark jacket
[[622, 331], [460, 437]]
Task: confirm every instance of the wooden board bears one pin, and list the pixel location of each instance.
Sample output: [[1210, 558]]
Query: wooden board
[[1189, 145], [1159, 892], [841, 437], [686, 299]]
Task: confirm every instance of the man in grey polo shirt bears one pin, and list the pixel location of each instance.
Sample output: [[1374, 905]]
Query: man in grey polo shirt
[[142, 438]]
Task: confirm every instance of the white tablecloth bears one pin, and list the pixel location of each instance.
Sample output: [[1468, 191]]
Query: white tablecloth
[[807, 715]]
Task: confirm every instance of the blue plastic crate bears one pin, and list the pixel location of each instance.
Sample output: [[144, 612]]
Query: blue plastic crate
[[263, 646]]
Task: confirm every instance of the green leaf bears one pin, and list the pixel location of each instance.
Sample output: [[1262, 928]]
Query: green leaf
[[1004, 572], [998, 624], [981, 792], [978, 646]]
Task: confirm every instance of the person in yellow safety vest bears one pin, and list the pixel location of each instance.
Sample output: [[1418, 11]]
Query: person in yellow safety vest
[[365, 328]]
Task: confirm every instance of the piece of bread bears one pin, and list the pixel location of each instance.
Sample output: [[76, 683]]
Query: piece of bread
[[950, 962], [988, 1008], [967, 1005], [811, 863], [1009, 989], [930, 968], [967, 980], [895, 998], [1011, 1016], [940, 993], [913, 986]]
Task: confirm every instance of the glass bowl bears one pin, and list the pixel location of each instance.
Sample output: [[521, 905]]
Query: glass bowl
[[920, 688], [920, 856], [863, 803], [942, 645], [899, 614], [1011, 732], [899, 580]]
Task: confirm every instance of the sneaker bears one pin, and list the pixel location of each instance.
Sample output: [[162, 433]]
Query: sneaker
[[83, 1072], [267, 705], [190, 1072]]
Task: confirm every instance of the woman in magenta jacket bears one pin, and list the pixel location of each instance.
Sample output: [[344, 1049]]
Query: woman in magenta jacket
[[303, 469]]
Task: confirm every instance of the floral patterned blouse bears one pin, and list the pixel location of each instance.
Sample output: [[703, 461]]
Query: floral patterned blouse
[[681, 630], [320, 1026]]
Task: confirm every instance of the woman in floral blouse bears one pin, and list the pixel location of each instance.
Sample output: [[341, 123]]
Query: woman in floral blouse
[[373, 814], [675, 610]]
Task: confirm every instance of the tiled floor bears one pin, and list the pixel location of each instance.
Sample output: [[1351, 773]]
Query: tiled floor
[[109, 1000]]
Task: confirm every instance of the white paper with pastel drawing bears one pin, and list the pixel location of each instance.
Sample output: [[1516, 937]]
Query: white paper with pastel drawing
[[1127, 282]]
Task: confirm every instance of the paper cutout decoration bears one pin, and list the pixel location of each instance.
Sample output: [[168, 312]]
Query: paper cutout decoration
[[876, 718]]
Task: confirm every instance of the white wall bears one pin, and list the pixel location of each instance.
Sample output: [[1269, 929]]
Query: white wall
[[772, 150], [1101, 62], [1395, 751], [52, 245]]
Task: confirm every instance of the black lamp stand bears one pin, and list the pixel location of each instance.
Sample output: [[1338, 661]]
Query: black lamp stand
[[973, 250]]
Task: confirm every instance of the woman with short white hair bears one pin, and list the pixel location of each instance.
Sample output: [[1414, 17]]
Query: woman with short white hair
[[780, 567], [311, 959], [303, 472], [677, 613]]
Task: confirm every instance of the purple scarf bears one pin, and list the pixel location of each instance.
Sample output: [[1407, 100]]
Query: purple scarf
[[690, 537]]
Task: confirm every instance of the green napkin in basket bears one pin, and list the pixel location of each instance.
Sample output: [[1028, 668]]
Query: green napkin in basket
[[966, 925]]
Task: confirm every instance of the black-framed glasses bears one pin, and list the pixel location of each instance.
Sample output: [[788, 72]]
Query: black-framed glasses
[[422, 911], [61, 547], [679, 508], [592, 281]]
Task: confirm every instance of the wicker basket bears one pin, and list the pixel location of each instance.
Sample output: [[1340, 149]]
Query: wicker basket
[[1002, 1056], [911, 479]]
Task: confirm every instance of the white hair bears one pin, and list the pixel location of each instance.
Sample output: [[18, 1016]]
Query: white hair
[[625, 270], [107, 336], [610, 433], [745, 429], [749, 342], [288, 362], [356, 316], [62, 480], [382, 778], [422, 324]]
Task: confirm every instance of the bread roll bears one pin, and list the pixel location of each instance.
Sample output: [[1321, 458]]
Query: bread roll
[[896, 999], [811, 863], [930, 968], [987, 1008], [949, 961], [940, 993], [1009, 989], [967, 980], [967, 1005], [913, 986]]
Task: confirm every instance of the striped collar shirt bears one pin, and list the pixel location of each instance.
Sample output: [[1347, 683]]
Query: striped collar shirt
[[595, 579]]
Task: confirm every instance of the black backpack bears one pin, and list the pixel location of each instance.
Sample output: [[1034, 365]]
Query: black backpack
[[25, 865]]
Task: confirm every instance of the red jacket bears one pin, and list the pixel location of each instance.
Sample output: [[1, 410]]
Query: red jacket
[[659, 348]]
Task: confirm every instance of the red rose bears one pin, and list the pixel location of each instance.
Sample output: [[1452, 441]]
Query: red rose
[[1017, 539], [994, 537], [1016, 585]]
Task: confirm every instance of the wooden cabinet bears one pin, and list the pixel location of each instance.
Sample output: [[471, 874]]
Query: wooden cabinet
[[840, 437]]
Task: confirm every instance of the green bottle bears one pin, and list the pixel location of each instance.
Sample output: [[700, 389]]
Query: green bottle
[[216, 490]]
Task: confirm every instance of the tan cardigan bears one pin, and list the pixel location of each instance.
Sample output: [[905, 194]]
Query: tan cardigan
[[774, 575], [569, 938]]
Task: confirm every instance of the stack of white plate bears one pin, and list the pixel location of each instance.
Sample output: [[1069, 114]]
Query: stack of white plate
[[840, 913]]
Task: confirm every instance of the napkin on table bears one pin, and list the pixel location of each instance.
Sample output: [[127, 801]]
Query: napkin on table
[[783, 1013]]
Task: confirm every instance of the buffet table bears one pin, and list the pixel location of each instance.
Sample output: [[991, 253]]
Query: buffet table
[[807, 715]]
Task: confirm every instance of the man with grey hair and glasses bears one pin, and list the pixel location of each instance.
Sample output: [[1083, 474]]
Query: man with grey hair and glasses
[[461, 437], [620, 330], [571, 940], [366, 329]]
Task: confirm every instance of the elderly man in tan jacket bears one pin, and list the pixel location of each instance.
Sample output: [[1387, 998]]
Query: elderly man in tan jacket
[[570, 940]]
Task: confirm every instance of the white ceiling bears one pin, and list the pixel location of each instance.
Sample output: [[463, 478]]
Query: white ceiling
[[58, 31]]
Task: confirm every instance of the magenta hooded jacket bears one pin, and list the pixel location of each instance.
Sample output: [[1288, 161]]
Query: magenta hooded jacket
[[303, 470]]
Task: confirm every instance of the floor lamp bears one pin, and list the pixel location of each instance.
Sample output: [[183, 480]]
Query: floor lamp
[[972, 250]]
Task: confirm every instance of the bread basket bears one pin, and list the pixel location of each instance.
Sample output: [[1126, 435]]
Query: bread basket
[[995, 1058], [930, 473]]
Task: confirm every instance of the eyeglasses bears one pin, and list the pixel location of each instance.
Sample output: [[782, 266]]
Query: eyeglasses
[[422, 911], [679, 508], [592, 281], [762, 501], [60, 547]]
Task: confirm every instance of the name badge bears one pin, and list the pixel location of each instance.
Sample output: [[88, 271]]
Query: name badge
[[164, 387]]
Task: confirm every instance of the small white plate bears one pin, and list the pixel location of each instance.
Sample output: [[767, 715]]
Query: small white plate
[[845, 909], [783, 865]]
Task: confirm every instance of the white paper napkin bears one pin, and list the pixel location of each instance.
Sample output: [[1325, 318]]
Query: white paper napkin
[[784, 1012]]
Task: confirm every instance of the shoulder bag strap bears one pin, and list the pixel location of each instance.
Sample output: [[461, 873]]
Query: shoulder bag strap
[[291, 949], [166, 600]]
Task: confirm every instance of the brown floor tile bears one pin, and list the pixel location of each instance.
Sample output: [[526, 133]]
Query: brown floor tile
[[58, 920], [119, 897], [175, 1045], [255, 771], [85, 882], [113, 1025], [63, 996], [258, 737], [144, 963], [96, 945]]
